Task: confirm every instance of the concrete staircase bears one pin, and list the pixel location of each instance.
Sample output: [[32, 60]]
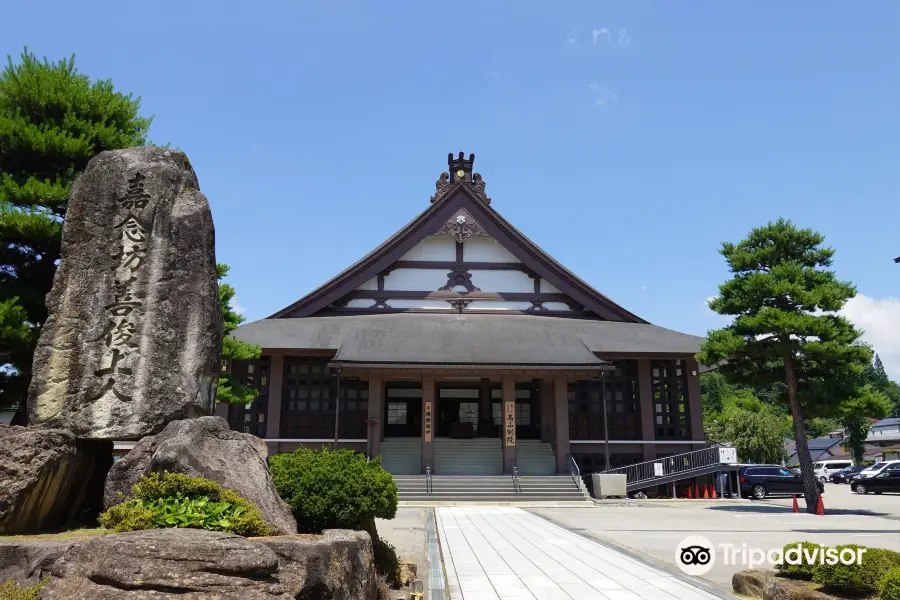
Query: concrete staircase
[[453, 489], [402, 456], [535, 457], [479, 456]]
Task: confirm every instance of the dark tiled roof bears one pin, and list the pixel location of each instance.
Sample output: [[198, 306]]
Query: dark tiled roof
[[411, 338], [882, 422]]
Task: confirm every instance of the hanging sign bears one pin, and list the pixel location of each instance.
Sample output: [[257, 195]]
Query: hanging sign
[[509, 419], [427, 421]]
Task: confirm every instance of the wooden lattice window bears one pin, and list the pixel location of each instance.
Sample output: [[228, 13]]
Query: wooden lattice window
[[671, 418], [251, 418], [308, 401], [623, 406]]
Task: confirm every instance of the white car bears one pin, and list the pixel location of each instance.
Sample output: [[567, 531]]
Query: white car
[[877, 468], [824, 468]]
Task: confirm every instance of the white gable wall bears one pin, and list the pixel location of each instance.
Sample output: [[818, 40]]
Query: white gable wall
[[434, 247], [485, 249]]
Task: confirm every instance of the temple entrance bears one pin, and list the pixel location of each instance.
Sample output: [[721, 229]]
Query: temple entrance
[[458, 410], [403, 410]]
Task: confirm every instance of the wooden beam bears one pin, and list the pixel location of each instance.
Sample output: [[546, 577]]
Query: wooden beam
[[449, 264]]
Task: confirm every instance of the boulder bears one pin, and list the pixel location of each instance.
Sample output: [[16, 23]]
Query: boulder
[[339, 563], [778, 588], [192, 564], [29, 561], [166, 563], [751, 582], [204, 447], [134, 328], [48, 478]]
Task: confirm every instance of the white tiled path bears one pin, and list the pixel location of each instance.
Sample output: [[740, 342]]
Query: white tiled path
[[505, 553]]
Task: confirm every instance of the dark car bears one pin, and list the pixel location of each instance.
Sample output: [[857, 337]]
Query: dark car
[[759, 481], [886, 481], [846, 474]]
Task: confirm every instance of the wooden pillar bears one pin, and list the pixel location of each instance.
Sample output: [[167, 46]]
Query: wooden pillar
[[561, 420], [273, 407], [695, 409], [509, 424], [376, 415], [645, 393], [548, 431], [485, 412], [428, 402]]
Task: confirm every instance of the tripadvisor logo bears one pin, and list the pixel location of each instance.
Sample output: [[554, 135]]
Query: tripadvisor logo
[[696, 555]]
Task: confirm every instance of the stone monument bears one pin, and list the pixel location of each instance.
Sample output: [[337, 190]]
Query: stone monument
[[134, 331]]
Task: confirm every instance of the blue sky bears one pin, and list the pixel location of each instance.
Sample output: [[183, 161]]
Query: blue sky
[[627, 138]]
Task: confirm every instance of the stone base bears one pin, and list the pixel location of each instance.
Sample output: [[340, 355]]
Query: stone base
[[50, 480], [765, 584], [192, 563]]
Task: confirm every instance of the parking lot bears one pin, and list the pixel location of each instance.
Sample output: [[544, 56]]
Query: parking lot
[[654, 529]]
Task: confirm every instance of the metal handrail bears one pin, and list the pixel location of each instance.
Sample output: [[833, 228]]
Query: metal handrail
[[517, 485], [428, 482], [575, 472], [669, 465]]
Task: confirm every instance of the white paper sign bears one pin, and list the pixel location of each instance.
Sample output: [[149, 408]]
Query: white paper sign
[[657, 469], [728, 456]]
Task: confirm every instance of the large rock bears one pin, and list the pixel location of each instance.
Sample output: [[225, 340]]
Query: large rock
[[339, 563], [204, 447], [29, 561], [166, 563], [48, 478], [751, 582], [778, 588], [134, 328], [192, 564]]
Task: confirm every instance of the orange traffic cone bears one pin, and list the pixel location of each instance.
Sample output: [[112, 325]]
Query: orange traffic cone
[[706, 492], [796, 508], [714, 495], [689, 494], [820, 507]]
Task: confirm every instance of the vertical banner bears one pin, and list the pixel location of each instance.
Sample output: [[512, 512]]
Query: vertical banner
[[427, 421], [509, 420]]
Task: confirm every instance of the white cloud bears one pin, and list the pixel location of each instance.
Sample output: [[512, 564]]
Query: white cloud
[[606, 36], [600, 35], [602, 95], [644, 288], [879, 318], [237, 307], [572, 38]]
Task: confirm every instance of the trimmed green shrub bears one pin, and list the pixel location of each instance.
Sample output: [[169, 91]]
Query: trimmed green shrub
[[11, 590], [333, 490], [863, 578], [164, 500], [802, 571], [890, 585]]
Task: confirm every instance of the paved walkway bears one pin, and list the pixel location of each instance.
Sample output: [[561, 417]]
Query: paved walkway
[[505, 553]]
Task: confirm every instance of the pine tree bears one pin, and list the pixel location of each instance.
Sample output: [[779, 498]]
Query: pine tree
[[53, 120], [784, 301], [230, 390]]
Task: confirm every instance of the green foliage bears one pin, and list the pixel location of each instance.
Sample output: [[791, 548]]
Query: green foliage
[[890, 585], [803, 570], [786, 327], [864, 577], [164, 500], [11, 590], [230, 390], [734, 414], [387, 564], [53, 120], [333, 490]]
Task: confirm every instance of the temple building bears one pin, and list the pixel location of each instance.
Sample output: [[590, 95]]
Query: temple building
[[460, 345]]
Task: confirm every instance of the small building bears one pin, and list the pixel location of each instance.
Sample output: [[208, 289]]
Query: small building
[[884, 432], [821, 448], [460, 345]]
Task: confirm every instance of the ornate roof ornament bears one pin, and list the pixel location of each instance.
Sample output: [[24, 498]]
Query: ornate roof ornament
[[441, 186], [460, 170], [461, 229]]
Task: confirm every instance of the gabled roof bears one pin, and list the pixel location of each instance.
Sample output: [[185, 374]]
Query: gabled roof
[[459, 195]]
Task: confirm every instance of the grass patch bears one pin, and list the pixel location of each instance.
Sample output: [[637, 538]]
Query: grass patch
[[72, 534]]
